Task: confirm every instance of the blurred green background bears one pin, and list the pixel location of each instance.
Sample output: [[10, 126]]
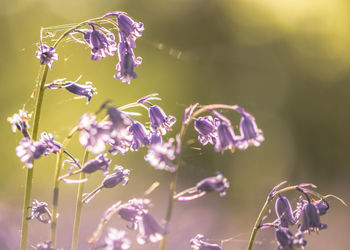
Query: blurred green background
[[286, 62]]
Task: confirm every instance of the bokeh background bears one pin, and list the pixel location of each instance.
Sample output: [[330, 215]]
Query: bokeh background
[[287, 62]]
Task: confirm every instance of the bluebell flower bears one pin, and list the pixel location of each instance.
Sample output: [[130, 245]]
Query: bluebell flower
[[226, 137], [127, 62], [139, 135], [287, 241], [40, 210], [159, 120], [155, 138], [130, 29], [207, 129], [250, 135], [198, 243], [310, 218], [45, 53], [284, 211], [149, 229], [119, 119], [322, 206], [112, 180], [29, 150], [52, 146], [116, 240], [162, 155], [133, 210], [20, 121], [101, 162]]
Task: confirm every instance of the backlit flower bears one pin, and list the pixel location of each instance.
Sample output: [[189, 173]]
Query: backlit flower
[[162, 155], [207, 129]]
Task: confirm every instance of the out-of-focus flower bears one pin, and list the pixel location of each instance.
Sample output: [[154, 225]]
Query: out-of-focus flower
[[251, 135], [216, 183], [101, 44], [149, 229], [45, 53], [52, 145], [116, 240], [159, 120], [101, 162], [127, 62], [130, 29], [226, 137], [287, 241], [119, 119], [40, 210], [29, 150], [155, 138], [310, 218], [284, 211], [85, 90], [19, 121], [139, 135], [45, 246], [207, 128], [133, 211], [198, 243], [162, 155]]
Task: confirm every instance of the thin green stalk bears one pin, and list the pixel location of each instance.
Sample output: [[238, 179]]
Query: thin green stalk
[[79, 206], [56, 186], [30, 171]]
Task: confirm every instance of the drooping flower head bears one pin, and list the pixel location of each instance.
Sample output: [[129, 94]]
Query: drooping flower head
[[207, 129], [149, 229], [101, 162], [52, 146], [284, 211], [287, 241], [251, 135], [198, 243], [117, 177], [130, 29], [310, 218], [133, 211], [40, 210], [84, 90], [45, 53], [321, 205], [139, 135], [20, 121], [162, 155], [29, 150], [159, 120], [116, 240], [226, 137]]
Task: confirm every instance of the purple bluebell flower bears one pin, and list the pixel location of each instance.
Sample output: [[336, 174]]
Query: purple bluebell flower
[[198, 243], [321, 205], [52, 145], [159, 120], [251, 135], [226, 137], [45, 53], [284, 211], [94, 136], [29, 150], [155, 138], [101, 44], [20, 121], [45, 246], [139, 135], [114, 179], [149, 229], [207, 129], [101, 162], [287, 241], [216, 183], [119, 119], [127, 62], [40, 210], [134, 209], [130, 29], [116, 240], [120, 144], [310, 218], [162, 155], [85, 90]]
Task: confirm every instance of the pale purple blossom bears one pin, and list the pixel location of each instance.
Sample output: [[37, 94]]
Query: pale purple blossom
[[149, 229], [159, 120], [112, 180], [287, 241], [207, 129], [226, 138], [101, 162], [322, 206], [45, 53], [20, 121], [29, 150], [52, 145], [155, 138], [116, 240], [310, 218], [199, 243], [139, 135], [284, 211], [130, 29], [162, 155], [40, 210]]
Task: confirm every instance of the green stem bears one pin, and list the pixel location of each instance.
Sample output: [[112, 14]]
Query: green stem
[[79, 206], [56, 186], [30, 171]]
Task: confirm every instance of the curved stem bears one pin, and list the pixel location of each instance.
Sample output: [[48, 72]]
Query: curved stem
[[30, 171], [79, 206], [56, 185]]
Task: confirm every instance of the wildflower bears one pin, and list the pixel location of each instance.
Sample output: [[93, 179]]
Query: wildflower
[[287, 241], [321, 205], [19, 121], [45, 53], [120, 144], [159, 120], [85, 90], [310, 218], [40, 210], [28, 150], [198, 243], [94, 136], [101, 45], [133, 211], [161, 155], [116, 240], [216, 183], [149, 229], [206, 127], [101, 162], [139, 135], [284, 211], [119, 119], [251, 135], [226, 137], [127, 62], [45, 246], [130, 29], [155, 138], [52, 145]]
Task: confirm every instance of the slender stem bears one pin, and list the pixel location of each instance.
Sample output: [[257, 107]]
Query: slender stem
[[56, 185], [79, 206], [30, 171]]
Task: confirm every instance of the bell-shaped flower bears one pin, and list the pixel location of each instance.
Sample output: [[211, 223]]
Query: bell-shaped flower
[[226, 137], [139, 135], [207, 128], [287, 241], [130, 29], [310, 218], [159, 120], [149, 229], [284, 211]]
